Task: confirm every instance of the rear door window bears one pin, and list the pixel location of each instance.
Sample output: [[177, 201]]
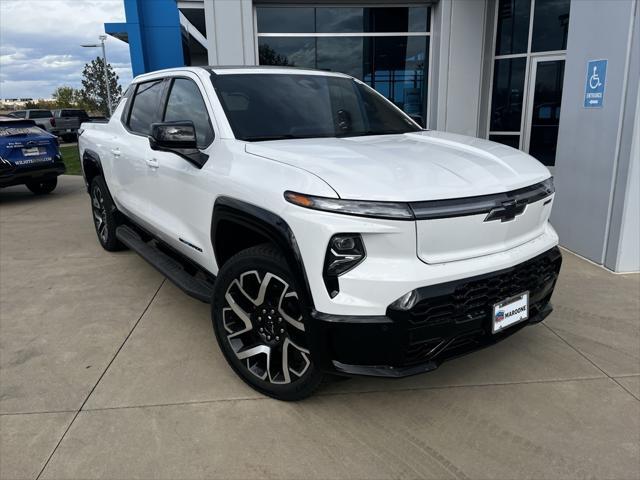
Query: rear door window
[[40, 114], [185, 103], [146, 107]]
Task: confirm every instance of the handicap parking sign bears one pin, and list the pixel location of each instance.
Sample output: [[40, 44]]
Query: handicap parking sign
[[594, 86]]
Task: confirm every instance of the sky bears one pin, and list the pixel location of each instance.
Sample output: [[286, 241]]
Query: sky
[[40, 44]]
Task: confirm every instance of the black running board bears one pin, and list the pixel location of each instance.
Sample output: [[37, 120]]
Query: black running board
[[165, 264]]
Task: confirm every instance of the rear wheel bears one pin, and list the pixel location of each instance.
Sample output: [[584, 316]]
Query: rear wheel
[[43, 187], [105, 216], [259, 324]]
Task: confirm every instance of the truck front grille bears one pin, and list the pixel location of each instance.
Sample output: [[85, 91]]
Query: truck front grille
[[454, 317]]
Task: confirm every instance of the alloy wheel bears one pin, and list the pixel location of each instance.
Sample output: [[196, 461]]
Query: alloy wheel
[[99, 214], [262, 319]]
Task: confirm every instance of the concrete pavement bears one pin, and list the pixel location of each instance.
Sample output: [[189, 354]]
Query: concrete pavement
[[108, 371]]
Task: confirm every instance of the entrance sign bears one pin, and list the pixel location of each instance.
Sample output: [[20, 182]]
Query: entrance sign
[[595, 83]]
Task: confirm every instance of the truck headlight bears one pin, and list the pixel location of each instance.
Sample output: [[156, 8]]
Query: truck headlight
[[360, 208], [344, 252]]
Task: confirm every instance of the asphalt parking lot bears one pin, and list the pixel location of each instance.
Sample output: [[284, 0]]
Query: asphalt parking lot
[[109, 371]]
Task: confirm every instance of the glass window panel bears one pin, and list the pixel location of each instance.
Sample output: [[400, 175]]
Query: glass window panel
[[304, 106], [341, 54], [510, 140], [286, 19], [186, 103], [339, 19], [419, 19], [513, 26], [41, 114], [399, 71], [508, 93], [550, 25], [194, 53], [291, 52], [545, 120], [144, 110], [383, 19], [197, 18]]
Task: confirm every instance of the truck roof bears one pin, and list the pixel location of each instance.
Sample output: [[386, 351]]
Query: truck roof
[[244, 69]]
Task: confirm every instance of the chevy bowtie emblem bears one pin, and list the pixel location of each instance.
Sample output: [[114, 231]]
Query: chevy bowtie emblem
[[507, 211]]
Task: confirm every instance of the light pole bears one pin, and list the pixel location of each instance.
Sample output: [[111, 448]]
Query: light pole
[[104, 61]]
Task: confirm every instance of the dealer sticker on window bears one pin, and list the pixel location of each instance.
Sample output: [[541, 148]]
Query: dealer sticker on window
[[510, 311]]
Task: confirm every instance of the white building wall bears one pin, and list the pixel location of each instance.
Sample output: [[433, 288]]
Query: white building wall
[[628, 247], [230, 32], [459, 26], [594, 145]]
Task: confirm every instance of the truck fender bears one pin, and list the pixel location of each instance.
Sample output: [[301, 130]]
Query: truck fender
[[266, 225], [91, 167]]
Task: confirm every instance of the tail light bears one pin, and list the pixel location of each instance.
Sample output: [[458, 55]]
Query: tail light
[[52, 121]]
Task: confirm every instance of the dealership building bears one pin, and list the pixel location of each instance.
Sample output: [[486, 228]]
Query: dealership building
[[558, 79]]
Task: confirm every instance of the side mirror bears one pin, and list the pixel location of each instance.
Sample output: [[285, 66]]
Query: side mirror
[[174, 135], [179, 138]]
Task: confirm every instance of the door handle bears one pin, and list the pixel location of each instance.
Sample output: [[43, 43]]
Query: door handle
[[152, 162], [115, 152]]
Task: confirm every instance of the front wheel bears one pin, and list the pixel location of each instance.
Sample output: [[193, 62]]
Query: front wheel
[[259, 325], [43, 187]]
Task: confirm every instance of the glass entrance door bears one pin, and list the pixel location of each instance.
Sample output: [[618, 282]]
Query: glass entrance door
[[543, 108]]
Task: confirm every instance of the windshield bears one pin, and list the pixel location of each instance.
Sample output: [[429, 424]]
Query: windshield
[[277, 106]]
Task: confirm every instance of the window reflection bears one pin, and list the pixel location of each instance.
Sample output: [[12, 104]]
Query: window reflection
[[342, 54], [399, 71], [398, 19], [513, 26], [508, 88], [550, 25], [339, 20], [510, 140], [343, 19], [288, 52], [395, 66], [286, 19]]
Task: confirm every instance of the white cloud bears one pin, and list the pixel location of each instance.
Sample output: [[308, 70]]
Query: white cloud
[[40, 43]]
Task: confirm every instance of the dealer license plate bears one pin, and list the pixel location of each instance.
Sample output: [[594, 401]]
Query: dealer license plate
[[31, 152], [510, 311]]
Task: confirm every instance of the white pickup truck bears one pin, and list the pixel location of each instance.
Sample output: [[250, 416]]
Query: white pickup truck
[[329, 232]]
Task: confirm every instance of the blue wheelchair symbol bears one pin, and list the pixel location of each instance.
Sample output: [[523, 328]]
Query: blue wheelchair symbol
[[595, 83]]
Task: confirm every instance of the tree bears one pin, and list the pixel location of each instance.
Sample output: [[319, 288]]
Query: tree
[[94, 90], [268, 56], [66, 97], [38, 104]]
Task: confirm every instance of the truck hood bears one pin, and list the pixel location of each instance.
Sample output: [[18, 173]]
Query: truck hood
[[409, 167]]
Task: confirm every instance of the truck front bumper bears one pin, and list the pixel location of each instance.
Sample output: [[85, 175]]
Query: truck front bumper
[[447, 320]]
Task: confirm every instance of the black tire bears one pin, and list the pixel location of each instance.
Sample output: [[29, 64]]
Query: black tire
[[43, 187], [275, 323], [106, 217]]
